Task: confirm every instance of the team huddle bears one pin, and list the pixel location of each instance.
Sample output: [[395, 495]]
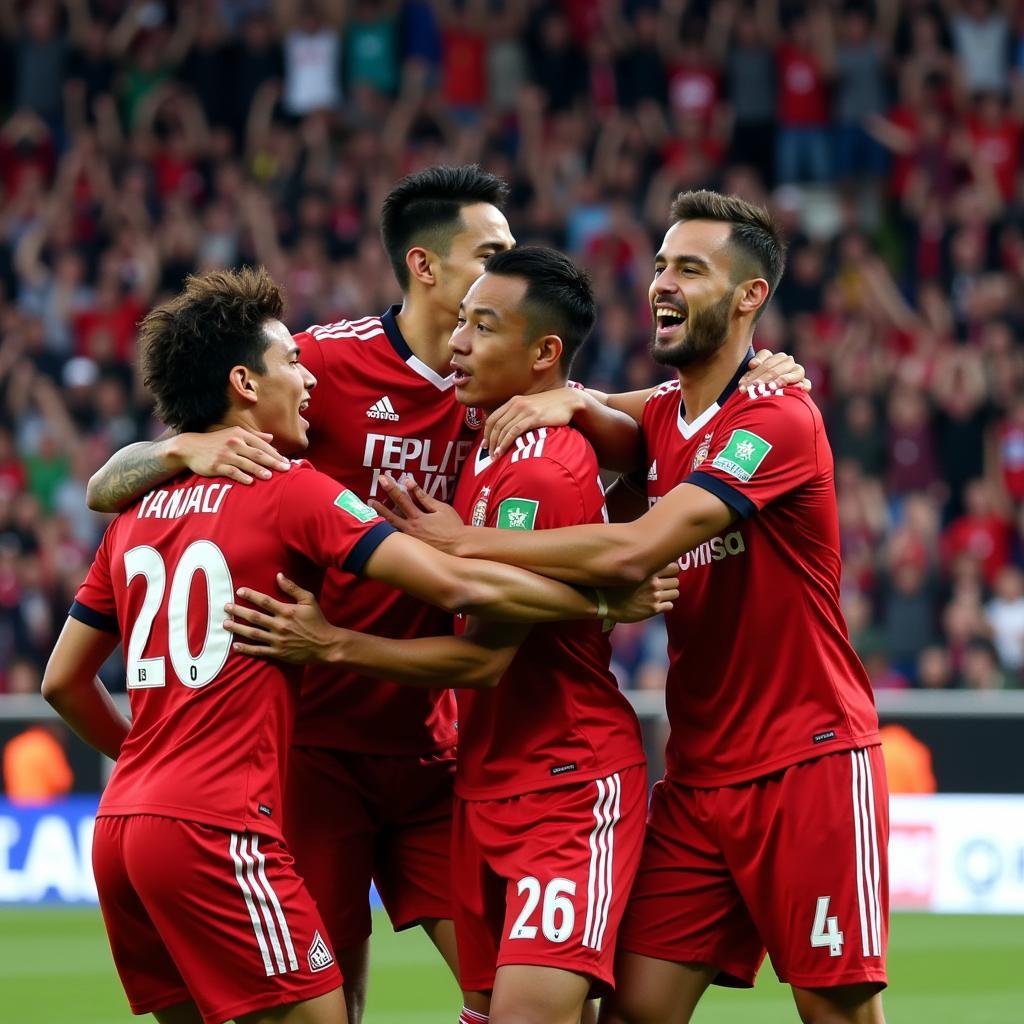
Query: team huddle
[[364, 589]]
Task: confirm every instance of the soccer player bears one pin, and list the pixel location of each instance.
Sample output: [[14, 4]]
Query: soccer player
[[551, 781], [769, 830], [381, 757], [188, 848]]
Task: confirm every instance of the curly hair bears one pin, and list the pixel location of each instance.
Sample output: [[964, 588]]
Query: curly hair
[[189, 345]]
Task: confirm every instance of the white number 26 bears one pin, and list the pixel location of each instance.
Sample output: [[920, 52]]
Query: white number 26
[[557, 915]]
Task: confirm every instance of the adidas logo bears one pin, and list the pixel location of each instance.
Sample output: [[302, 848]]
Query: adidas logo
[[652, 473], [382, 409], [319, 956]]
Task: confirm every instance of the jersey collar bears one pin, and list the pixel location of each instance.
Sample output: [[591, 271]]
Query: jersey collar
[[389, 321], [688, 430]]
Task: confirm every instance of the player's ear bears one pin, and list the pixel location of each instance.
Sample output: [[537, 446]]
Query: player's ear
[[753, 294], [420, 262], [549, 352], [243, 386]]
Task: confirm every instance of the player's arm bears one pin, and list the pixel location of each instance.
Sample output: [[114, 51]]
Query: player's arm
[[298, 633], [606, 422], [598, 555], [611, 422], [72, 688], [235, 453]]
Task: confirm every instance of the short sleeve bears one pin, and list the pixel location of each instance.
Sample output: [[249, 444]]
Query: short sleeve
[[766, 448], [94, 603], [536, 494], [311, 355], [326, 522]]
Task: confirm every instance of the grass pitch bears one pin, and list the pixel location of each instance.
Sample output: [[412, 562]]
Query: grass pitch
[[55, 968]]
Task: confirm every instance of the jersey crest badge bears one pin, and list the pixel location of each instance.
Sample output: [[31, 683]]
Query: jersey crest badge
[[480, 508], [474, 418], [319, 956], [702, 452]]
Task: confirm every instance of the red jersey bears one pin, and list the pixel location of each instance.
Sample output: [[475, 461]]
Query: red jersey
[[761, 671], [210, 728], [378, 409], [557, 716]]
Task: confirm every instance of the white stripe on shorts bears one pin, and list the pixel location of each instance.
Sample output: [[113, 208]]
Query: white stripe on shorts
[[602, 848], [254, 916], [251, 873], [866, 840]]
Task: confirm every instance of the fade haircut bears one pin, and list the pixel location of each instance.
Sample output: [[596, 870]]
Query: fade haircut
[[425, 209], [189, 345], [559, 297], [757, 244]]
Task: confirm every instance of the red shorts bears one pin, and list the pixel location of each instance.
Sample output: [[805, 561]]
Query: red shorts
[[543, 878], [350, 818], [197, 913], [794, 863]]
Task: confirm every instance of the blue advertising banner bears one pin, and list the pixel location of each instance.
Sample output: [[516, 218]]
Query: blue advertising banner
[[46, 852]]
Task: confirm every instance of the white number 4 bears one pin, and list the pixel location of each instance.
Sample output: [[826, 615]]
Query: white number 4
[[557, 915], [826, 929]]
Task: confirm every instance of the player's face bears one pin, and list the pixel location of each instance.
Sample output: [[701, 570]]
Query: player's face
[[283, 390], [485, 232], [692, 293], [492, 359]]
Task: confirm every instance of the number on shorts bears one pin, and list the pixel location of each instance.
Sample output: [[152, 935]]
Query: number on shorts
[[194, 671], [826, 929], [557, 917]]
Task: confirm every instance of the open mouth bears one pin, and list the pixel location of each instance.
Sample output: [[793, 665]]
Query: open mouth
[[668, 319], [459, 375]]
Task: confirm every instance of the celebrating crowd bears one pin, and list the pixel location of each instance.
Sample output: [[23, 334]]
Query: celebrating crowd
[[145, 141]]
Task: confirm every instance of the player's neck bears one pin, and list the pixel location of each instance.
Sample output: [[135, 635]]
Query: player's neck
[[427, 339], [700, 385]]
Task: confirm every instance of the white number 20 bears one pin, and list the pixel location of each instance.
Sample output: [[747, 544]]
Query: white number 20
[[194, 671], [557, 916], [825, 931]]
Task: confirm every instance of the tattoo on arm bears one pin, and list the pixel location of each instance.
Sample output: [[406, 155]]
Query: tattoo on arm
[[129, 473]]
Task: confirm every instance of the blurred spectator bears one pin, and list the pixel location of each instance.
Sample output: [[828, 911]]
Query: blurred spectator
[[908, 761], [35, 767]]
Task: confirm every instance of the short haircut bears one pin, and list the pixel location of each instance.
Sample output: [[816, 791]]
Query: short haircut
[[559, 297], [425, 209], [755, 239], [189, 345]]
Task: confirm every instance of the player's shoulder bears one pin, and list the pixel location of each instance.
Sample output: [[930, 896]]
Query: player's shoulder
[[663, 394], [559, 445], [785, 408], [343, 337], [550, 454]]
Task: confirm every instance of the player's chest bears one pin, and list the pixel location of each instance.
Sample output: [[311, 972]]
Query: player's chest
[[399, 430], [672, 457]]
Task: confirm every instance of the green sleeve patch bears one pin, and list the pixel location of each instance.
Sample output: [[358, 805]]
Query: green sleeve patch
[[348, 502], [517, 514], [742, 455]]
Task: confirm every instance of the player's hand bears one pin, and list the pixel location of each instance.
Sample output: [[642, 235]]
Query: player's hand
[[297, 633], [419, 515], [236, 453], [774, 370], [554, 408], [655, 595]]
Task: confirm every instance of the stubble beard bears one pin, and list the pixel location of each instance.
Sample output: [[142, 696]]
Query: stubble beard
[[706, 332]]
